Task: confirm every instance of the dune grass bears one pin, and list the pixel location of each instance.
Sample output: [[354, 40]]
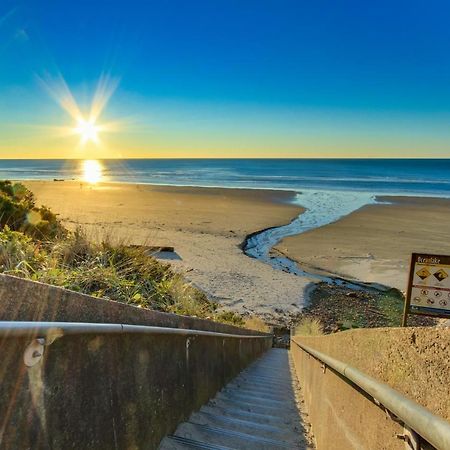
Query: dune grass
[[309, 326]]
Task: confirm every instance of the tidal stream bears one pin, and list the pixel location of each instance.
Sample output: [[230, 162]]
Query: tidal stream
[[321, 208]]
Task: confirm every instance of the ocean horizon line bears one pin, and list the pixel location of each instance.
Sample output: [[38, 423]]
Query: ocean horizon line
[[342, 158]]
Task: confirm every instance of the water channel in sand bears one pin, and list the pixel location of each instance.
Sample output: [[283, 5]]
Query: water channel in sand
[[321, 208]]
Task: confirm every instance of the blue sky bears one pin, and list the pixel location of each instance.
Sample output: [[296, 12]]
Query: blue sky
[[232, 78]]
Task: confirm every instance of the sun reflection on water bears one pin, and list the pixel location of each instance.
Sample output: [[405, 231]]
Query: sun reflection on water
[[92, 171]]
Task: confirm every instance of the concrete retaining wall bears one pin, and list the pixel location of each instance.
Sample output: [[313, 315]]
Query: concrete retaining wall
[[107, 391], [342, 418], [413, 361], [24, 300]]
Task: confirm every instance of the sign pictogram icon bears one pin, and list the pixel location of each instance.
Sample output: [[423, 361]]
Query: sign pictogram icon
[[440, 275], [423, 273]]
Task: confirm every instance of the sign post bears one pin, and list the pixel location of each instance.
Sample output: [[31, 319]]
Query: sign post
[[428, 290]]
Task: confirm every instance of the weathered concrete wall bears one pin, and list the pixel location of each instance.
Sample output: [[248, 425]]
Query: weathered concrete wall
[[341, 417], [98, 392], [23, 300], [414, 361]]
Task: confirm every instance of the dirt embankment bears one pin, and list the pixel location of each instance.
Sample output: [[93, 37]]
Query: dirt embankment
[[414, 361]]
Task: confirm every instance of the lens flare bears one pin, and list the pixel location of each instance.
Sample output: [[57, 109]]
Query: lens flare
[[87, 130], [87, 124], [92, 171]]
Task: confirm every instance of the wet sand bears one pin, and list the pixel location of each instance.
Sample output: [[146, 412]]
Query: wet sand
[[375, 243]]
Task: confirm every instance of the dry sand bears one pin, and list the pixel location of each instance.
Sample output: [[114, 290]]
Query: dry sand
[[205, 225], [375, 243]]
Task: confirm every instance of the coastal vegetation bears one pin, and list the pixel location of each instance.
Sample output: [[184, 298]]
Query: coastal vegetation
[[35, 245], [309, 326], [18, 212], [337, 308]]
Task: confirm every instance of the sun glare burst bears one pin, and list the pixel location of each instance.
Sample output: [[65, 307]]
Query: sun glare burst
[[92, 171], [88, 130], [86, 126]]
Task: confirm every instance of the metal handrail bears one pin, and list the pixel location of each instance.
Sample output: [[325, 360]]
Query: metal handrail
[[20, 329], [432, 428]]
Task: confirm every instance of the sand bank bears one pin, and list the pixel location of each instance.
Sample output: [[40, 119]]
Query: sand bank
[[205, 225], [375, 242]]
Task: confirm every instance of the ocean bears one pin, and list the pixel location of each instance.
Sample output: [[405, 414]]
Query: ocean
[[429, 177]]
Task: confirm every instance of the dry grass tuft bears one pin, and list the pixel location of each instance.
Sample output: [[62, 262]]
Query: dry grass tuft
[[309, 327], [257, 324]]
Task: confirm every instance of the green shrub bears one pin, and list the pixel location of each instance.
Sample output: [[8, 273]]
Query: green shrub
[[19, 213], [391, 305], [231, 317]]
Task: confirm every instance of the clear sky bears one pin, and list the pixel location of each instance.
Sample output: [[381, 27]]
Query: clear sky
[[225, 78]]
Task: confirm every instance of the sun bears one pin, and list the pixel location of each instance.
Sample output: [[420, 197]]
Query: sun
[[92, 171], [88, 130], [86, 123]]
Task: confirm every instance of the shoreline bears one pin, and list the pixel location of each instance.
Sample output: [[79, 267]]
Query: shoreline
[[294, 190], [153, 184]]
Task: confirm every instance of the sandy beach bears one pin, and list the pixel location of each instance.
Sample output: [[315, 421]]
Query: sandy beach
[[375, 243], [207, 226]]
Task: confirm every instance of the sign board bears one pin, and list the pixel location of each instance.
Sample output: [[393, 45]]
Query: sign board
[[429, 286]]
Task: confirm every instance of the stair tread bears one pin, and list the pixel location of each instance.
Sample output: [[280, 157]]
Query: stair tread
[[255, 417], [223, 434], [245, 426]]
